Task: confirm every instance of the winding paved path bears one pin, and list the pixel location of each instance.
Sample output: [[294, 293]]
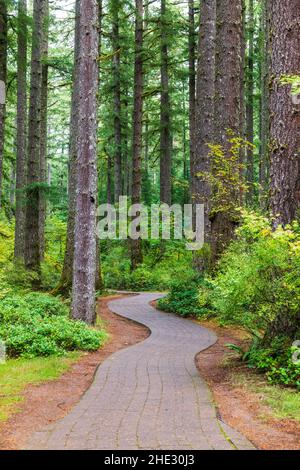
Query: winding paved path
[[149, 396]]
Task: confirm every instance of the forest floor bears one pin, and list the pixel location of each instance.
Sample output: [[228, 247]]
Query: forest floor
[[50, 401], [245, 400]]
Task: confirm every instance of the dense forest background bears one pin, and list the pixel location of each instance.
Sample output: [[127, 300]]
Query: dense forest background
[[164, 102]]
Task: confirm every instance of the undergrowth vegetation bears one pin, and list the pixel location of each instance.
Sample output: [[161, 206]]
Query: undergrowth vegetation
[[163, 263], [257, 279], [36, 324]]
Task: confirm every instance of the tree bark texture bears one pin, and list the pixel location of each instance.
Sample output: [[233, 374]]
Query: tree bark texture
[[65, 284], [44, 131], [204, 120], [284, 111], [227, 105], [21, 131], [165, 114], [85, 252], [3, 78], [115, 10], [250, 104], [136, 245], [192, 83], [32, 225], [264, 107]]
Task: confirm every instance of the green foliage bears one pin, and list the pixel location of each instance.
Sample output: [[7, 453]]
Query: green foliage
[[163, 262], [257, 279], [38, 325], [16, 374], [258, 275], [276, 361], [224, 177], [186, 299]]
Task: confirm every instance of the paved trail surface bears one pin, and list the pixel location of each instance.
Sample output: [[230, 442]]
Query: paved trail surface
[[149, 396]]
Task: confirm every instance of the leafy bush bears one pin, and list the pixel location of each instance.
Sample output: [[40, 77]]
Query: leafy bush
[[186, 299], [162, 264], [258, 276], [38, 325], [276, 361]]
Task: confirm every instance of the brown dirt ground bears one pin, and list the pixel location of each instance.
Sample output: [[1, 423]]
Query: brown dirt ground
[[50, 401], [239, 407]]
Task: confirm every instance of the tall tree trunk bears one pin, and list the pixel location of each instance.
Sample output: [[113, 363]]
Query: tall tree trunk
[[99, 281], [192, 83], [85, 252], [32, 226], [136, 245], [65, 283], [3, 78], [250, 104], [242, 76], [110, 179], [227, 107], [284, 112], [21, 131], [284, 33], [115, 11], [44, 131], [204, 121], [165, 114], [264, 106], [127, 172]]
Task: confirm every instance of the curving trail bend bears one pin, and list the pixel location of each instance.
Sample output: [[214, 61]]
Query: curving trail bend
[[149, 396]]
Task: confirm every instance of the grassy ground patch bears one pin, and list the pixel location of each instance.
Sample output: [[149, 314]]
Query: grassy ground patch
[[16, 374], [282, 402]]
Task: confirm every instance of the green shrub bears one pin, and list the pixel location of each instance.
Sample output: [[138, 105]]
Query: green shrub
[[37, 324], [162, 264], [187, 299], [258, 276], [276, 362]]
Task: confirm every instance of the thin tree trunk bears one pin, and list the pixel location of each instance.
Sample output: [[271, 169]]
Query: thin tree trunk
[[65, 284], [227, 106], [99, 281], [115, 10], [205, 121], [21, 131], [3, 78], [165, 114], [284, 112], [264, 106], [284, 137], [242, 76], [32, 226], [136, 245], [192, 84], [250, 104], [110, 180], [85, 252], [44, 132], [12, 192]]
